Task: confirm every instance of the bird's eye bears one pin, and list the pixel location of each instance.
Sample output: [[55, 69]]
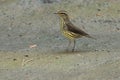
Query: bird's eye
[[64, 13]]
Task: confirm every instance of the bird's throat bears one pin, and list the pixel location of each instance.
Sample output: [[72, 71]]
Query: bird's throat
[[62, 22]]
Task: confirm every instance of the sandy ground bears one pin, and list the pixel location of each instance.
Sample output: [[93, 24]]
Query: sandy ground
[[56, 66], [32, 48]]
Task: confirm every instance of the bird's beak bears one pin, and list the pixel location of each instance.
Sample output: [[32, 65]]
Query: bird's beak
[[55, 13]]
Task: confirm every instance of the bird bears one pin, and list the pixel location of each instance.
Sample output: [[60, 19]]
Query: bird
[[69, 30]]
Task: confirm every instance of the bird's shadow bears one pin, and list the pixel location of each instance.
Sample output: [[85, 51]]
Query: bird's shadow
[[74, 52]]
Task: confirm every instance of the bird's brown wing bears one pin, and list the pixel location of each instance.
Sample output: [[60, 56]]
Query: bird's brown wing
[[76, 30]]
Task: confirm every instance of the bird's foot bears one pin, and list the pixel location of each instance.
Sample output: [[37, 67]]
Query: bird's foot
[[73, 50]]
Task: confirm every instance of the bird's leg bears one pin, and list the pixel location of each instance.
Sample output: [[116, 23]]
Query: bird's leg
[[73, 46], [68, 45]]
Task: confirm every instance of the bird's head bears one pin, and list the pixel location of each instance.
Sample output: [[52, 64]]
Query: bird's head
[[63, 14]]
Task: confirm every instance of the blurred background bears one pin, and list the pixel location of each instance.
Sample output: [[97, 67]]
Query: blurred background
[[26, 23], [32, 47]]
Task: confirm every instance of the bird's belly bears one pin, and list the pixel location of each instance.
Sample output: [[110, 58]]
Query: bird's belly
[[71, 35]]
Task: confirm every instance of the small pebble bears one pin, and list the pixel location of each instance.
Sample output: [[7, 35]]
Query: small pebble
[[14, 59], [26, 55], [96, 50], [118, 28], [8, 35], [20, 35], [99, 9], [56, 57], [108, 51], [77, 64]]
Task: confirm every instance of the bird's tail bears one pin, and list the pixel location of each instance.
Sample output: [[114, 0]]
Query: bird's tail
[[90, 37]]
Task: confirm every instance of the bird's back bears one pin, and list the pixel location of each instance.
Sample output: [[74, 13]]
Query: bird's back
[[76, 32]]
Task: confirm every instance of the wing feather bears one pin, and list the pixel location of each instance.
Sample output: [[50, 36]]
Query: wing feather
[[76, 30]]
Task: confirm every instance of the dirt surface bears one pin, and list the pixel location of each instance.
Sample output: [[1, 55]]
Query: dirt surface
[[32, 47]]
